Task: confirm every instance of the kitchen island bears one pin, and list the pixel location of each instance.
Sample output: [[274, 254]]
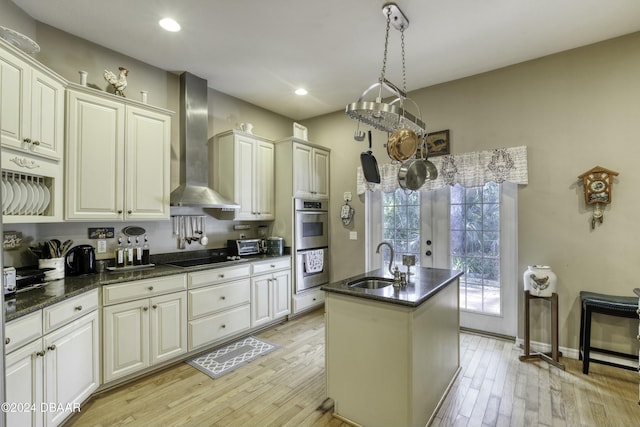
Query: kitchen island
[[392, 354]]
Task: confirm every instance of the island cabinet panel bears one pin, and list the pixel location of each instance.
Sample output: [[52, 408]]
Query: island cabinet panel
[[390, 364]]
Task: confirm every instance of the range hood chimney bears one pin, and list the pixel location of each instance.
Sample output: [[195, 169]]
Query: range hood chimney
[[193, 189]]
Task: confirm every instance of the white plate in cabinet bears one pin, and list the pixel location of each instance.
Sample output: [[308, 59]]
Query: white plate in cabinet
[[219, 297], [22, 330], [216, 275], [210, 329], [272, 265], [66, 311], [128, 291]]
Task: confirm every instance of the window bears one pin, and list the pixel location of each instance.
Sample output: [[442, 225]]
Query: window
[[475, 246], [401, 224]]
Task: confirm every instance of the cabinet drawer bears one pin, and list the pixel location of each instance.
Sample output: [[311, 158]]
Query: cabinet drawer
[[211, 299], [307, 300], [213, 328], [217, 275], [23, 330], [143, 288], [66, 311], [273, 265]]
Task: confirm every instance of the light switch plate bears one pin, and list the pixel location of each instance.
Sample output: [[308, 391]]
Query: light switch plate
[[102, 246], [353, 235], [347, 196]]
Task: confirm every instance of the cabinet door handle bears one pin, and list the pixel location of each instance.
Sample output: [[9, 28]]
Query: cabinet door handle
[[129, 211], [272, 266], [78, 308], [27, 140], [223, 326], [154, 306], [36, 142], [145, 308], [7, 340], [40, 353], [51, 347], [223, 297], [221, 276], [119, 211], [150, 288]]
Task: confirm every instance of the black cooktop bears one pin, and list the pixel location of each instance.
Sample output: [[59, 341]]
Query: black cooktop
[[195, 262]]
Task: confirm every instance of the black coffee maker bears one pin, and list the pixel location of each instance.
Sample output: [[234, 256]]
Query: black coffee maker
[[80, 260]]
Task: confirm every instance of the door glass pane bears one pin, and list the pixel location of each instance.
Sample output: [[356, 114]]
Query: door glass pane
[[475, 246], [401, 224]]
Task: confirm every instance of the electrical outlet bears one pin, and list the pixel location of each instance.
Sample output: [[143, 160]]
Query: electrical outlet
[[102, 246], [347, 196], [353, 235]]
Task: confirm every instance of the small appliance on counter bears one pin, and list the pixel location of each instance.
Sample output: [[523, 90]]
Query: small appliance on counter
[[21, 279], [80, 260], [9, 281], [275, 246], [243, 247]]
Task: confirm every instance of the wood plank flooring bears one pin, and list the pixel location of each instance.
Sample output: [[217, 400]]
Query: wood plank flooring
[[287, 386]]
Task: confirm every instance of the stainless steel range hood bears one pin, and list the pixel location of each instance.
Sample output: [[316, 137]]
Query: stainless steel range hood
[[193, 189]]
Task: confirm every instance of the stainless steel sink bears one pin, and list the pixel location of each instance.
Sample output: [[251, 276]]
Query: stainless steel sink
[[370, 283]]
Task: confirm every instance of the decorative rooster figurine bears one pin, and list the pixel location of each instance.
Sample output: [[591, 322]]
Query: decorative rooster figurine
[[119, 83]]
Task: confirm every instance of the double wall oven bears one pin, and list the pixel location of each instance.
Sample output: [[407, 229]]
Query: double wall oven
[[311, 234]]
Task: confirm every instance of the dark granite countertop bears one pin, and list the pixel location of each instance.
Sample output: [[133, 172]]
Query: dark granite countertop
[[423, 284], [58, 290]]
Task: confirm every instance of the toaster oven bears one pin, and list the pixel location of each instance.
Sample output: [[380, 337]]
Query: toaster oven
[[244, 247]]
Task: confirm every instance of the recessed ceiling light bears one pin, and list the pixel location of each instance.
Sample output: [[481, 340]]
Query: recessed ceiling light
[[169, 24], [301, 91]]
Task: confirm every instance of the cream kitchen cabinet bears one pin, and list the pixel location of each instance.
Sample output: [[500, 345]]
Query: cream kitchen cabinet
[[145, 331], [31, 105], [218, 304], [57, 370], [244, 172], [270, 291], [118, 159], [32, 138], [310, 171]]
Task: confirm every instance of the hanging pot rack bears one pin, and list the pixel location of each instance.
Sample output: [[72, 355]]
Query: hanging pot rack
[[387, 116]]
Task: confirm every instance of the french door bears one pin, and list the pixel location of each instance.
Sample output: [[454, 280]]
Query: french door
[[488, 289]]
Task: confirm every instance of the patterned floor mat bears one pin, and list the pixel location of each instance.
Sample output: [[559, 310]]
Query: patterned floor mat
[[226, 359]]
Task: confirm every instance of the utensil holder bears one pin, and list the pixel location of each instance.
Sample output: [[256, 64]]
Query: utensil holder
[[58, 268]]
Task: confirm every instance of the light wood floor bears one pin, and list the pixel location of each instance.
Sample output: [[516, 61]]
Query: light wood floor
[[287, 386]]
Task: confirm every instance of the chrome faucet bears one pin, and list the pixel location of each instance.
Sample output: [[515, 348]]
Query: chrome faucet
[[391, 253]]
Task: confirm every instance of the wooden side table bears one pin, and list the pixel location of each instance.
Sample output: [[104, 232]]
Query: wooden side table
[[552, 357]]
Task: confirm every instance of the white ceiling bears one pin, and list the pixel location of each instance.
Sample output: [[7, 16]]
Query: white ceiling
[[261, 50]]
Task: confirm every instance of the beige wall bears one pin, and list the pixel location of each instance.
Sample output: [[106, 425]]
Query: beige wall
[[573, 110]]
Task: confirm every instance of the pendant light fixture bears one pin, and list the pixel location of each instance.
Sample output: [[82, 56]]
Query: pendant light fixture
[[389, 116]]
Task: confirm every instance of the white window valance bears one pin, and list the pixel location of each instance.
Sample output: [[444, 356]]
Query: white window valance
[[468, 169]]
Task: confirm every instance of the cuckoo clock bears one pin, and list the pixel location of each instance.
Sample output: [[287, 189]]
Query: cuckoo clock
[[598, 184]]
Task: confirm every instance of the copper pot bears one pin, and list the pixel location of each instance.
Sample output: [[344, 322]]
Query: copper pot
[[402, 144]]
